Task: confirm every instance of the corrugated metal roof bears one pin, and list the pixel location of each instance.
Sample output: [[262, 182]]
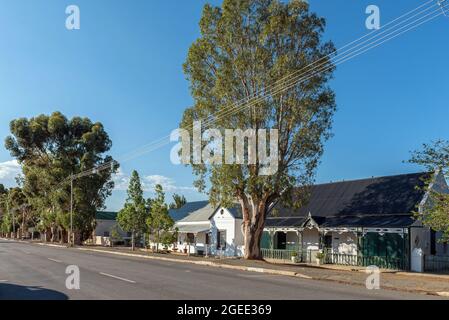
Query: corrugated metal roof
[[193, 228], [285, 222], [376, 221], [384, 195], [106, 215], [202, 214], [188, 208]]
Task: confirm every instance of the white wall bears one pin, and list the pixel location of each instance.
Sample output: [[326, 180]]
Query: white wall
[[106, 226], [420, 238], [292, 238], [223, 220], [310, 239], [345, 243]]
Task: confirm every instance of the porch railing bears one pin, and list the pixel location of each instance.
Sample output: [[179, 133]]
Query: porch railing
[[304, 256], [277, 254], [309, 256], [365, 261], [437, 264]]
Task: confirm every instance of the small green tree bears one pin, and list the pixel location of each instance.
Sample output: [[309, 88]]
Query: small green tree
[[178, 201], [159, 221], [435, 158], [132, 217], [115, 235]]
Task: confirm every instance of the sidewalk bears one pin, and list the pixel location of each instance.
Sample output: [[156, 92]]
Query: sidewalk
[[432, 284], [402, 281]]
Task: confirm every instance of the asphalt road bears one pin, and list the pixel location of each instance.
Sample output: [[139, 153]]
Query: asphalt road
[[30, 271]]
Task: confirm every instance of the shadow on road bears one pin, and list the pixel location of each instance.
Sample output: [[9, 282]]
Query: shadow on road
[[16, 292]]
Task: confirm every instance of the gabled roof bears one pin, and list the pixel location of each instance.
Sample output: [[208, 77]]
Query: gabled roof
[[235, 211], [106, 215], [375, 196], [187, 209], [201, 215], [376, 202], [375, 221], [201, 211]]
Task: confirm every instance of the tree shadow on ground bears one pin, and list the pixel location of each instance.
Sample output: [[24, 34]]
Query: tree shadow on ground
[[17, 292]]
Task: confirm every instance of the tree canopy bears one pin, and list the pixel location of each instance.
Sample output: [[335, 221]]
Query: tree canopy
[[245, 48], [159, 222], [178, 201], [132, 217], [50, 148], [435, 158]]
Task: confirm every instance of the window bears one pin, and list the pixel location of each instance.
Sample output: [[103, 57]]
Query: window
[[190, 238], [106, 234], [328, 241], [221, 240], [433, 242]]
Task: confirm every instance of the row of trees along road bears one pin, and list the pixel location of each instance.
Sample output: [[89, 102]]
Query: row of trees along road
[[49, 149], [244, 49], [141, 217]]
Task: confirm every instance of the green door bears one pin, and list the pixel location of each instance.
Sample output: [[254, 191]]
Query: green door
[[266, 242]]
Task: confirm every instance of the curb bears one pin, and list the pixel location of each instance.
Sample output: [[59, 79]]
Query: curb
[[205, 263], [443, 294], [240, 268]]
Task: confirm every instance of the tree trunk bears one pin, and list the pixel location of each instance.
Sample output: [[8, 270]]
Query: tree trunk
[[23, 225], [52, 230], [253, 224], [132, 241]]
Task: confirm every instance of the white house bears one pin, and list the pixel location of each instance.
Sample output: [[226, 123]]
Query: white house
[[105, 221], [368, 221], [207, 230]]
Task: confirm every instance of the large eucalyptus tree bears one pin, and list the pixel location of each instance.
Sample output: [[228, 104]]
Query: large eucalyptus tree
[[246, 48], [50, 148]]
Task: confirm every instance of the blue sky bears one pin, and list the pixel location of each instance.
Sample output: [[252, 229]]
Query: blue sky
[[124, 68]]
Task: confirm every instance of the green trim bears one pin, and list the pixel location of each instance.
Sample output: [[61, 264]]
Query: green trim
[[106, 215]]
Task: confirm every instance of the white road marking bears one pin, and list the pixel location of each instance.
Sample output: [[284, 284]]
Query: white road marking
[[3, 280], [54, 260], [115, 277]]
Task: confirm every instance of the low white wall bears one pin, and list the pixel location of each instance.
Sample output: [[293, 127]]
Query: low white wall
[[310, 239], [420, 239], [344, 243]]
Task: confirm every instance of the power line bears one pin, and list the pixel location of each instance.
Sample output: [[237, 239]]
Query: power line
[[243, 103], [280, 81], [253, 101], [321, 68], [443, 4]]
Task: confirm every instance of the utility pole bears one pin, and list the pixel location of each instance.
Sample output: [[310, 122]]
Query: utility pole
[[71, 212], [7, 209], [72, 177]]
